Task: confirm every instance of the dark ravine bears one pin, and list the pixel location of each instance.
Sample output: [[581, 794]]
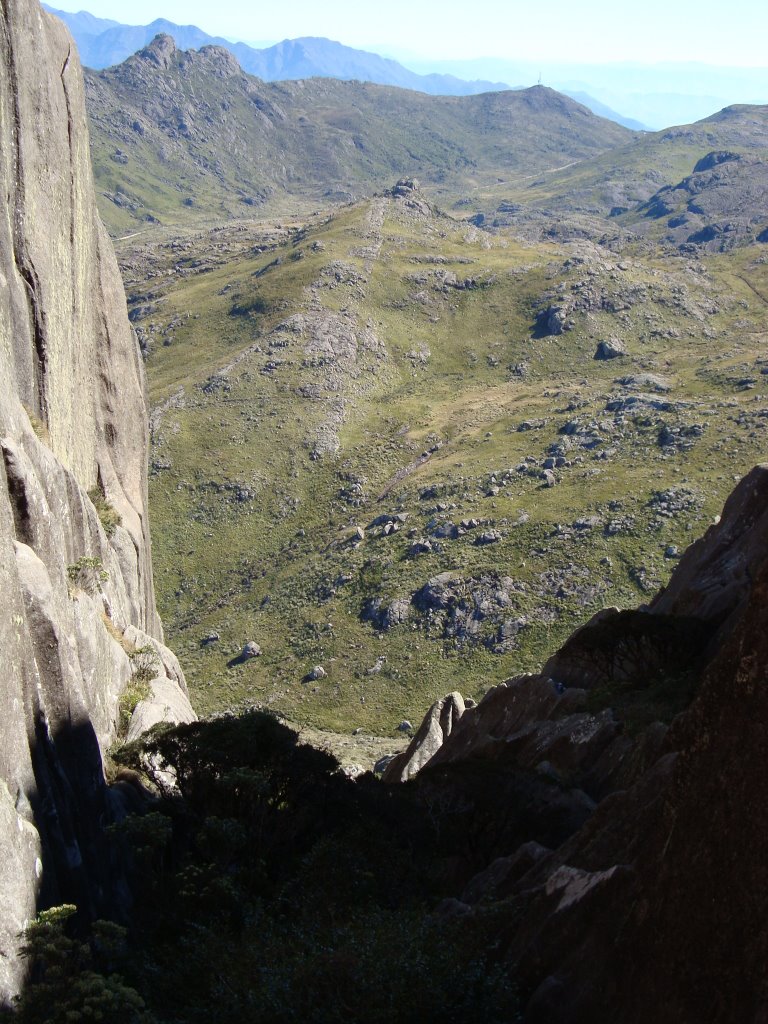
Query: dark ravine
[[77, 593], [650, 907]]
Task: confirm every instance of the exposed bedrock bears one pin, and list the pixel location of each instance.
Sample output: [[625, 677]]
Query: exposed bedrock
[[75, 571]]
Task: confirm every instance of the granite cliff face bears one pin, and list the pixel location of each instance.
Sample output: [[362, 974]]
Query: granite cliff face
[[77, 598]]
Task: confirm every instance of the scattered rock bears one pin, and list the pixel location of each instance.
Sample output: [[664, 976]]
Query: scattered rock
[[586, 523], [488, 537], [610, 349], [645, 382], [419, 547], [553, 321], [383, 616]]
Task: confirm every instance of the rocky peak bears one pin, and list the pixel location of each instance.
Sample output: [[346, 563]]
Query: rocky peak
[[713, 159], [407, 191], [221, 61], [161, 51], [406, 188]]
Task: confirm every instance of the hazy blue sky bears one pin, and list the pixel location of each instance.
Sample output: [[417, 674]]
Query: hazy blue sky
[[732, 33]]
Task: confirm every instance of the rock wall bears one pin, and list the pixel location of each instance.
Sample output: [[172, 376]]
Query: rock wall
[[633, 871], [73, 420]]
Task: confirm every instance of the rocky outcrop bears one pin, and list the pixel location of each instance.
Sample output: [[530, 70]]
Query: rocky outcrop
[[667, 914], [716, 574], [721, 205], [678, 632], [439, 723], [75, 560], [649, 904]]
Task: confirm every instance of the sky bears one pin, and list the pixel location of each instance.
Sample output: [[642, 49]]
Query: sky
[[729, 34]]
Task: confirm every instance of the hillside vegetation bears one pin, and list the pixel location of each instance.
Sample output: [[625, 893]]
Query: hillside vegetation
[[184, 137], [416, 455], [617, 184], [402, 452]]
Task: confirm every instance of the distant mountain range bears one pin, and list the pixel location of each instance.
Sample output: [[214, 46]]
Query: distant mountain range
[[103, 43], [179, 135], [658, 95]]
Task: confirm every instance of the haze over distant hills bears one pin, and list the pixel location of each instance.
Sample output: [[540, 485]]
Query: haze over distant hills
[[103, 43], [647, 95], [658, 95]]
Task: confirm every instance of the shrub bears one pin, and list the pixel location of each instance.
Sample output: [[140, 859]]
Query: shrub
[[135, 692], [74, 980], [87, 574], [243, 306], [108, 515], [276, 890], [145, 663]]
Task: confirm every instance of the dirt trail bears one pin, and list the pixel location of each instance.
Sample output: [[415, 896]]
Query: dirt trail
[[527, 177]]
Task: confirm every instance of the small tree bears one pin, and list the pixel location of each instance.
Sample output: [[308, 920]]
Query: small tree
[[73, 981]]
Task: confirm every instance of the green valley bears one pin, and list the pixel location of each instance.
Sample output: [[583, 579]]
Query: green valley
[[383, 446]]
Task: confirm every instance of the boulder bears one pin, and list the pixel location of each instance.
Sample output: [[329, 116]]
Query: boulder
[[610, 349], [488, 537], [438, 723]]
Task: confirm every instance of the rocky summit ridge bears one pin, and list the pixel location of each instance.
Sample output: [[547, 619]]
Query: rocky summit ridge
[[75, 557], [103, 43], [183, 135]]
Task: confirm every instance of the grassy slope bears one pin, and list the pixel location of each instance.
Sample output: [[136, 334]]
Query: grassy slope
[[630, 174], [278, 566]]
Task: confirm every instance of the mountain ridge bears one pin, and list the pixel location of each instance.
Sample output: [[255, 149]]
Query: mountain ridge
[[303, 57], [300, 57], [235, 142]]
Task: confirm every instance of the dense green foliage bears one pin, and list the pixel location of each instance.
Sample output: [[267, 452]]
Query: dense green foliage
[[75, 980], [273, 889]]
